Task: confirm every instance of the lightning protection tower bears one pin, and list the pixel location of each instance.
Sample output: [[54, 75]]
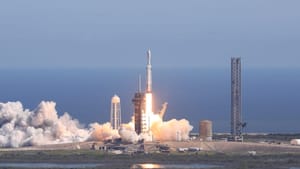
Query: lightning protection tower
[[115, 113], [236, 102]]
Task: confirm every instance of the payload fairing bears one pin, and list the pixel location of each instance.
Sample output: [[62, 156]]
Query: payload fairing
[[149, 73]]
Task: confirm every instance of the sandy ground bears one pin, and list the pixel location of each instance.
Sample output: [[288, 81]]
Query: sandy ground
[[237, 147]]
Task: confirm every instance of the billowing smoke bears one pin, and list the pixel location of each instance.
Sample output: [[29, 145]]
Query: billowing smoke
[[22, 127], [19, 127], [128, 134], [102, 132], [171, 130]]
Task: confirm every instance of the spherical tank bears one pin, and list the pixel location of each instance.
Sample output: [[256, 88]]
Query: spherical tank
[[115, 99]]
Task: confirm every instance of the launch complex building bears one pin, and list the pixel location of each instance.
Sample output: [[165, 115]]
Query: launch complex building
[[143, 101]]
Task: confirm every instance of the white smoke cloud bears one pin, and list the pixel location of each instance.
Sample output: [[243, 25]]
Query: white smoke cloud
[[128, 134], [45, 115], [21, 127], [102, 132], [171, 130]]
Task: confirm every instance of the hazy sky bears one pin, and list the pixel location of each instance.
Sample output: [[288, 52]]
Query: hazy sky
[[194, 33]]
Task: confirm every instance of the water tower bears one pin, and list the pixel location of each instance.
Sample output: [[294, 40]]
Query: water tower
[[115, 113]]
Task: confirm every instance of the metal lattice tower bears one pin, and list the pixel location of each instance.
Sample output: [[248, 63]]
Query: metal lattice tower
[[139, 106], [236, 101], [115, 113]]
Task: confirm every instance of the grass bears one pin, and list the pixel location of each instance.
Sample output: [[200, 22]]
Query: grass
[[233, 161]]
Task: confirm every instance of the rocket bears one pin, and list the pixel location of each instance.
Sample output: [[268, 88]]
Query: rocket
[[149, 73], [148, 96]]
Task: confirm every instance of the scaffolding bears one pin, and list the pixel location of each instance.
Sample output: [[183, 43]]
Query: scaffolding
[[236, 101]]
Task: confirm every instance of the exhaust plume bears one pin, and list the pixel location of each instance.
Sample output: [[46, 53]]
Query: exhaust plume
[[19, 127], [171, 130], [102, 132], [128, 134], [22, 127]]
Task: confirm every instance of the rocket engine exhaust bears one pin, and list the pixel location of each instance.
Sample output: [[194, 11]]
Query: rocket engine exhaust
[[151, 124], [22, 127], [163, 110]]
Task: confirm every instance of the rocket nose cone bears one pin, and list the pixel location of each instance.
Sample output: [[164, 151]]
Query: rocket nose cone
[[149, 57]]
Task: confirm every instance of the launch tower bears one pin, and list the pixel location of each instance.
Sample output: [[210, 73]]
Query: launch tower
[[143, 102], [139, 106], [236, 102]]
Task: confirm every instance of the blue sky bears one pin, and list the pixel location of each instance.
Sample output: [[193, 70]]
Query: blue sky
[[195, 33]]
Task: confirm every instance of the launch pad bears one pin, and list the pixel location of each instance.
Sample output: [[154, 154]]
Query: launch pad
[[143, 107]]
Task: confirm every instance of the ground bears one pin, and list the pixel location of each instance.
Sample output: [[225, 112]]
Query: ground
[[233, 155], [227, 160]]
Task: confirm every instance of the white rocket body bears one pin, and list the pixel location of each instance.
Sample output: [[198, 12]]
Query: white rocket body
[[149, 73], [146, 129]]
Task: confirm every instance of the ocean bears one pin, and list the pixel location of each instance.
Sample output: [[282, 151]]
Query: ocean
[[270, 96]]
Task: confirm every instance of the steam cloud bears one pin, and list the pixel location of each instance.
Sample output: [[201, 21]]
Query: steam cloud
[[22, 127]]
